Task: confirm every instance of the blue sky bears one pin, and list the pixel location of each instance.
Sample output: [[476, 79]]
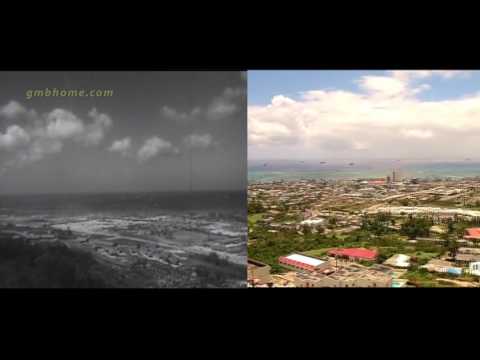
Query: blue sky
[[264, 84], [413, 114]]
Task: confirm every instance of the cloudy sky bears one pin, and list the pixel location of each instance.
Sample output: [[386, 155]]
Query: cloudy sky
[[141, 138], [424, 114]]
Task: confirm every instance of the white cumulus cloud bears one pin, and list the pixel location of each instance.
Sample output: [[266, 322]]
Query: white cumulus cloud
[[155, 146], [225, 105], [385, 118], [13, 137], [62, 124], [221, 107], [198, 141], [171, 113], [95, 132], [12, 110], [46, 134], [121, 146]]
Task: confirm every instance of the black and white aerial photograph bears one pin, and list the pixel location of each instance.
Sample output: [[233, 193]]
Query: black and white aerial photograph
[[123, 179]]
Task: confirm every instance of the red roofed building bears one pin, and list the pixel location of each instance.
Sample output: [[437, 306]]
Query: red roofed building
[[472, 234], [355, 253], [377, 182]]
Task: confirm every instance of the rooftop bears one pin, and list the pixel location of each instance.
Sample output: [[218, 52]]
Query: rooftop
[[467, 257], [472, 233], [348, 272], [255, 263], [305, 259], [398, 260], [360, 253]]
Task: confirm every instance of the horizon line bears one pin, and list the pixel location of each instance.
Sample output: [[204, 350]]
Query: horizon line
[[120, 192]]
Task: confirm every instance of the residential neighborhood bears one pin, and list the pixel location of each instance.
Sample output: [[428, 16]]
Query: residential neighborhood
[[371, 232]]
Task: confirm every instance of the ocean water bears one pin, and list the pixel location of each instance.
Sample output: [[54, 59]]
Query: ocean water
[[121, 204], [266, 171]]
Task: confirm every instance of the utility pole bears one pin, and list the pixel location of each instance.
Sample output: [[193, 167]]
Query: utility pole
[[191, 167], [190, 103]]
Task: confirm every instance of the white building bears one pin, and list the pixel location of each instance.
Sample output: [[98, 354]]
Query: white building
[[474, 268], [398, 260], [313, 222]]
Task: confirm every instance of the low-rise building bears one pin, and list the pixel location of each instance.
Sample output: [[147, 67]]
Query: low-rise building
[[442, 266], [472, 234], [465, 259], [284, 280], [258, 273], [474, 268], [302, 262], [313, 222], [354, 254], [398, 261], [347, 275], [468, 250]]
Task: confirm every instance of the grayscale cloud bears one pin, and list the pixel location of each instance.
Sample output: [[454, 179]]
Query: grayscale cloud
[[138, 139]]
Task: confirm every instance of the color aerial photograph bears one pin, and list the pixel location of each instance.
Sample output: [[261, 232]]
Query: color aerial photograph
[[364, 178], [126, 179]]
